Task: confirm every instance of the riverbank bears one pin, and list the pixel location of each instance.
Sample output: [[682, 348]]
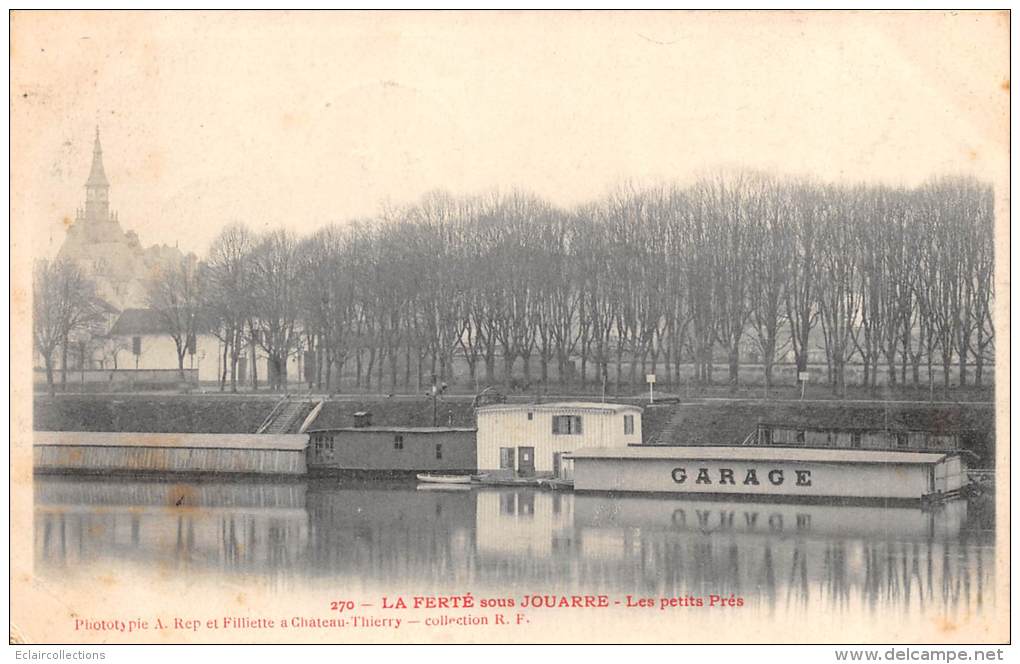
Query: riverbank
[[712, 421]]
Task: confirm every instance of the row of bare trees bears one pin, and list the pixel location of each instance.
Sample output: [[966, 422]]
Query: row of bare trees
[[886, 278], [733, 268]]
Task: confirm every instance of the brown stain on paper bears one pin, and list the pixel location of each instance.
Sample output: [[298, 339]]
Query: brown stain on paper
[[182, 497]]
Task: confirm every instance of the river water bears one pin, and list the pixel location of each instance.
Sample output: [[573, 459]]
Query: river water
[[365, 536]]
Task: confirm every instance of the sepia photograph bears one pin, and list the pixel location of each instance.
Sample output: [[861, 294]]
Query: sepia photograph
[[509, 327]]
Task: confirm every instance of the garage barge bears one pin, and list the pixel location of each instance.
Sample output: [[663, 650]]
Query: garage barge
[[772, 472]]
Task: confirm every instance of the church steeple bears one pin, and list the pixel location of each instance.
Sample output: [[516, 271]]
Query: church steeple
[[97, 187], [97, 176]]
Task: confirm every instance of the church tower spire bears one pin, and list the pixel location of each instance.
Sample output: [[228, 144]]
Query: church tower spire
[[97, 187]]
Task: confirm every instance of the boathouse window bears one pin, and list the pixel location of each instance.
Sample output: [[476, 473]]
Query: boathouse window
[[506, 458], [531, 416], [855, 439], [136, 345], [439, 451], [628, 425], [566, 425], [766, 435], [800, 435], [901, 440], [398, 442]]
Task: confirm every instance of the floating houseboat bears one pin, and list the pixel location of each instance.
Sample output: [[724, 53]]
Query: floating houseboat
[[530, 440], [389, 449], [780, 472]]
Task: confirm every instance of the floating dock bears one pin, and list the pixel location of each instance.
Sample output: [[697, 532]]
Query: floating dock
[[771, 472], [106, 452]]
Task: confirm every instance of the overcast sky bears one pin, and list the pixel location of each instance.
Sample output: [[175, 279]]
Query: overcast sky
[[304, 119]]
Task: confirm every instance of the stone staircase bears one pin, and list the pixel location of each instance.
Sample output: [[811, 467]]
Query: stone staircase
[[284, 416], [695, 423], [666, 433]]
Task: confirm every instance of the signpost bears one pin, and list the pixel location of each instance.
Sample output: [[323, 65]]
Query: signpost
[[650, 379]]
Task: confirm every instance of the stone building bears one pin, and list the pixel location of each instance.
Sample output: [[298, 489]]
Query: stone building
[[112, 258]]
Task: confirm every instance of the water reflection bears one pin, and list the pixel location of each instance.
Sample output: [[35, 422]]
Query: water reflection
[[779, 557], [233, 527]]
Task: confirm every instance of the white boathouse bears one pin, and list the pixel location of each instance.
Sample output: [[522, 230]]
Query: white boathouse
[[529, 440]]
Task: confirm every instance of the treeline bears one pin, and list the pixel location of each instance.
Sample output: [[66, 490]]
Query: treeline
[[893, 278], [889, 278]]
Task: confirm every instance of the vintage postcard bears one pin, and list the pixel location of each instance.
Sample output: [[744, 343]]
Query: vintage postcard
[[509, 327]]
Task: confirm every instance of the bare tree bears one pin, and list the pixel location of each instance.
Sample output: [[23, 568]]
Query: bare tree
[[275, 282], [63, 302], [175, 294], [228, 295], [801, 288], [839, 297], [770, 263]]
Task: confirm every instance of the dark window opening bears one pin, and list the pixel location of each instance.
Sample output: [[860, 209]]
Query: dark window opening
[[855, 439], [439, 451], [398, 442], [566, 425]]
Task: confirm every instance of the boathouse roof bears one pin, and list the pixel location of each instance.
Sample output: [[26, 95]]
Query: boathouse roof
[[562, 406], [758, 454], [236, 441], [386, 429]]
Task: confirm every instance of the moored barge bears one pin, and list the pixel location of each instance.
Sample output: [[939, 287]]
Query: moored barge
[[780, 472]]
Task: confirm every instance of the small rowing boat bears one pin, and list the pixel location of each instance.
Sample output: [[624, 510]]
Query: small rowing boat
[[444, 479], [443, 487]]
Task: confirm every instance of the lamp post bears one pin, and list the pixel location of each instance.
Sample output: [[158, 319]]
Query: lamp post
[[436, 391], [78, 340], [435, 414]]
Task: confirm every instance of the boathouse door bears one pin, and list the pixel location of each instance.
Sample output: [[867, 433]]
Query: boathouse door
[[526, 461], [506, 459]]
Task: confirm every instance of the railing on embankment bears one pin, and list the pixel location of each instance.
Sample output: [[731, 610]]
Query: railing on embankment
[[169, 377], [231, 454]]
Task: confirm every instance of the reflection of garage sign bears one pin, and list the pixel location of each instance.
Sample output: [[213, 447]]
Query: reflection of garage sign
[[724, 520], [650, 378], [803, 376], [723, 476]]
